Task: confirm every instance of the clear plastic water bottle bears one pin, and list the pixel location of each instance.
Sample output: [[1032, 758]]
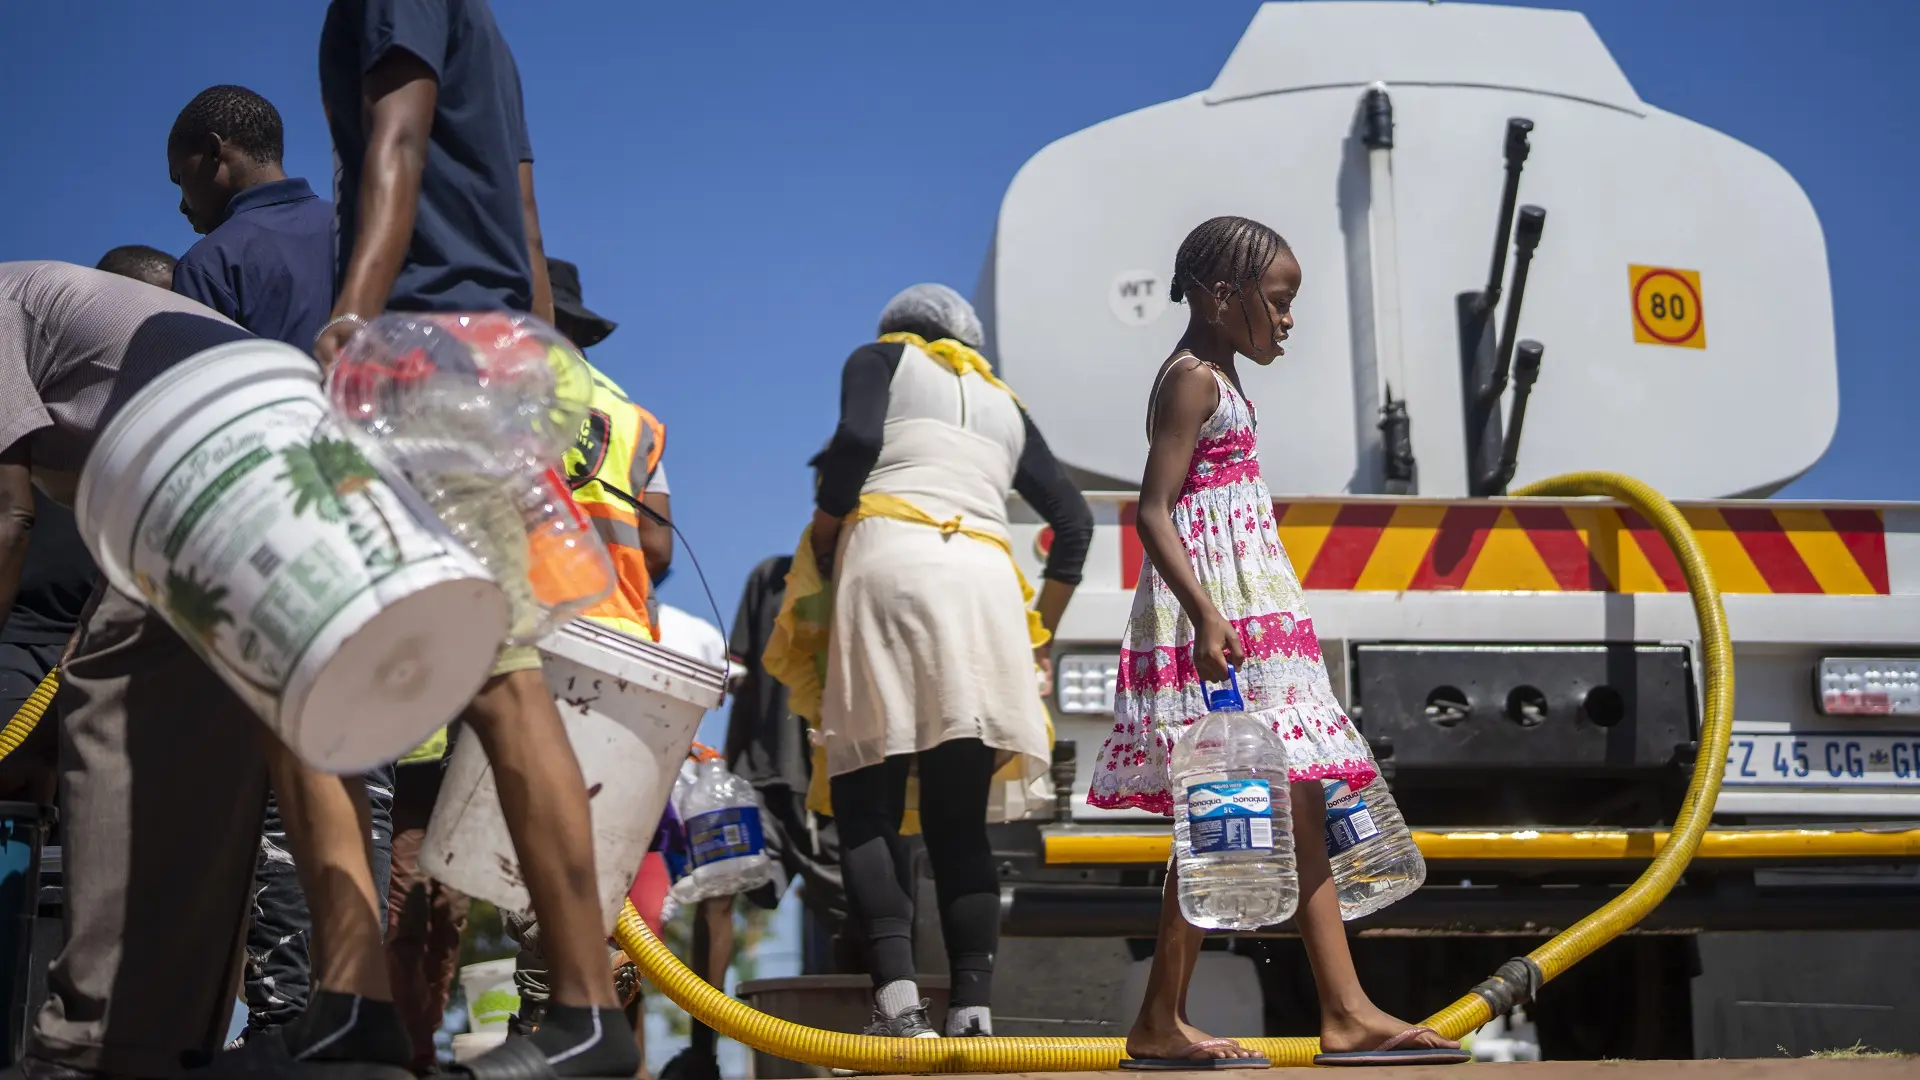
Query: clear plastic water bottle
[[1233, 822], [532, 537], [725, 845], [679, 864], [488, 393], [478, 410], [1375, 861], [673, 847]]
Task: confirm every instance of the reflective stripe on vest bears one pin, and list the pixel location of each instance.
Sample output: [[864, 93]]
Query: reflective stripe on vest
[[615, 455]]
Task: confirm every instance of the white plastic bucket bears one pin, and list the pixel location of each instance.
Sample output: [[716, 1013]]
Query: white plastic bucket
[[296, 563], [491, 996], [471, 1044], [631, 708]]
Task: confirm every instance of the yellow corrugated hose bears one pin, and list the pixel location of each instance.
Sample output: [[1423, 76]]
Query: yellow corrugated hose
[[863, 1053], [872, 1054], [1703, 790], [27, 716]]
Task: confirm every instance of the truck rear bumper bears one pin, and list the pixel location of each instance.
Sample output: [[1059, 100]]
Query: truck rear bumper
[[1525, 882], [1545, 848], [1504, 909]]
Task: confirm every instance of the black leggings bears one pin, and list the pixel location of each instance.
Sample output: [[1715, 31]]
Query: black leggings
[[867, 807]]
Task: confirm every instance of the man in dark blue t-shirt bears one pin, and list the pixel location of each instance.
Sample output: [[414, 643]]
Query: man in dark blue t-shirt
[[436, 213], [464, 181]]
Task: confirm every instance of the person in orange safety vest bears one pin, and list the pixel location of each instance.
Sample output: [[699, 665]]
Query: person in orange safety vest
[[615, 472]]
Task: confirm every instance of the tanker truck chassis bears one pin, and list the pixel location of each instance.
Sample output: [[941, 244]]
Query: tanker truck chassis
[[1528, 672]]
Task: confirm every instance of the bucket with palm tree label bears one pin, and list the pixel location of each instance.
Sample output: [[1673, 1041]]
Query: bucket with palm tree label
[[291, 558]]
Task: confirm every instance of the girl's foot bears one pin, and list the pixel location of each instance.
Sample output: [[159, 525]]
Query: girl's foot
[[1181, 1040], [1368, 1028]]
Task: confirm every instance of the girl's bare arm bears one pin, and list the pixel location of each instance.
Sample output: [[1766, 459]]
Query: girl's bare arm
[[1187, 396]]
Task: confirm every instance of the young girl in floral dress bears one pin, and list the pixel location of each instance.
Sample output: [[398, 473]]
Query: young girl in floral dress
[[1219, 592]]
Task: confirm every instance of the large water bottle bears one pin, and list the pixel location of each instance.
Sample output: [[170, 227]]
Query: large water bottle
[[488, 394], [725, 844], [1233, 822], [1375, 861], [479, 410], [671, 839], [526, 529], [679, 863]]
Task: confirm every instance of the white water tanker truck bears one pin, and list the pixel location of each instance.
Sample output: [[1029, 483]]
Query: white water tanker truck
[[1514, 268]]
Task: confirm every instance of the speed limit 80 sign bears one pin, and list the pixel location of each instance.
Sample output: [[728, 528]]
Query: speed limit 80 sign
[[1667, 308]]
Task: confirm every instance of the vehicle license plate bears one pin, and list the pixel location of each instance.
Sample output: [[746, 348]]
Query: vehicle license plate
[[1825, 759]]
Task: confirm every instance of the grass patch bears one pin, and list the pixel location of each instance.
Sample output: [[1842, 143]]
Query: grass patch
[[1858, 1050]]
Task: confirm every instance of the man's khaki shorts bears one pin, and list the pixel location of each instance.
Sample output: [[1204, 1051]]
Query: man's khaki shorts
[[486, 518]]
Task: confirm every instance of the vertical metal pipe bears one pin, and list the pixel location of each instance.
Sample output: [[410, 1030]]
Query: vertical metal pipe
[[1398, 467]]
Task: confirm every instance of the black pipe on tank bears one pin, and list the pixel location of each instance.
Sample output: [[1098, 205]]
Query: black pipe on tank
[[1526, 238], [1486, 354], [1376, 129], [1489, 380], [1396, 445], [1526, 370], [1517, 149]]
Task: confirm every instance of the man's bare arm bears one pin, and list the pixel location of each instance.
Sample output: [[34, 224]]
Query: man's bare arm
[[536, 247], [400, 93], [656, 540]]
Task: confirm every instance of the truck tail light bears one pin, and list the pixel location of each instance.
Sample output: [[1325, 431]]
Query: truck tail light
[[1084, 683], [1869, 686]]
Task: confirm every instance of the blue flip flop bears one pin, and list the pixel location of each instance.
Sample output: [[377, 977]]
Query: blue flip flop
[[1390, 1053]]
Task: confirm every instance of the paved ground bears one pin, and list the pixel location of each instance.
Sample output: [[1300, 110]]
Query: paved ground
[[1771, 1069]]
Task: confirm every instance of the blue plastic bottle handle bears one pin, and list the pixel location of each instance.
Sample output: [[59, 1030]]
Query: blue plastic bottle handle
[[1227, 698]]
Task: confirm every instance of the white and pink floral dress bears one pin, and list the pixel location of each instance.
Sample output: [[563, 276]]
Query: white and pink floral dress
[[1226, 523]]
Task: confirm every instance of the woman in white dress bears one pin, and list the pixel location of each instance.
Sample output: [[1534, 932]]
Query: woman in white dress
[[931, 663]]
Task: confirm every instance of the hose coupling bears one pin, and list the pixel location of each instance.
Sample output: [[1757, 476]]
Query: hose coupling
[[1512, 984]]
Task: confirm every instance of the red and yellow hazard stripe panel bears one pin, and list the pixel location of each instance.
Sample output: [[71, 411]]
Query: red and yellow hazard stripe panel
[[1382, 546], [1145, 847]]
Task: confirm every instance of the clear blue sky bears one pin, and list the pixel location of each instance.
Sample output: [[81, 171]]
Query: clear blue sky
[[744, 185]]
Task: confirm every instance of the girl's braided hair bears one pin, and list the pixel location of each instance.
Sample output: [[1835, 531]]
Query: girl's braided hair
[[1235, 250]]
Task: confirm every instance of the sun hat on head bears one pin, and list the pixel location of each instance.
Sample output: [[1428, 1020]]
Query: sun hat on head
[[571, 316], [933, 311]]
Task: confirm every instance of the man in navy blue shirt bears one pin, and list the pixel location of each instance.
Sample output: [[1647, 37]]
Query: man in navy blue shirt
[[267, 260], [267, 264], [459, 184], [436, 213]]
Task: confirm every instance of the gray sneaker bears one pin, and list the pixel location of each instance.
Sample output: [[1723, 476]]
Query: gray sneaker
[[912, 1024]]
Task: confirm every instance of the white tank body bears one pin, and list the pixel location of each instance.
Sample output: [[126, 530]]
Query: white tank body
[[1074, 290]]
